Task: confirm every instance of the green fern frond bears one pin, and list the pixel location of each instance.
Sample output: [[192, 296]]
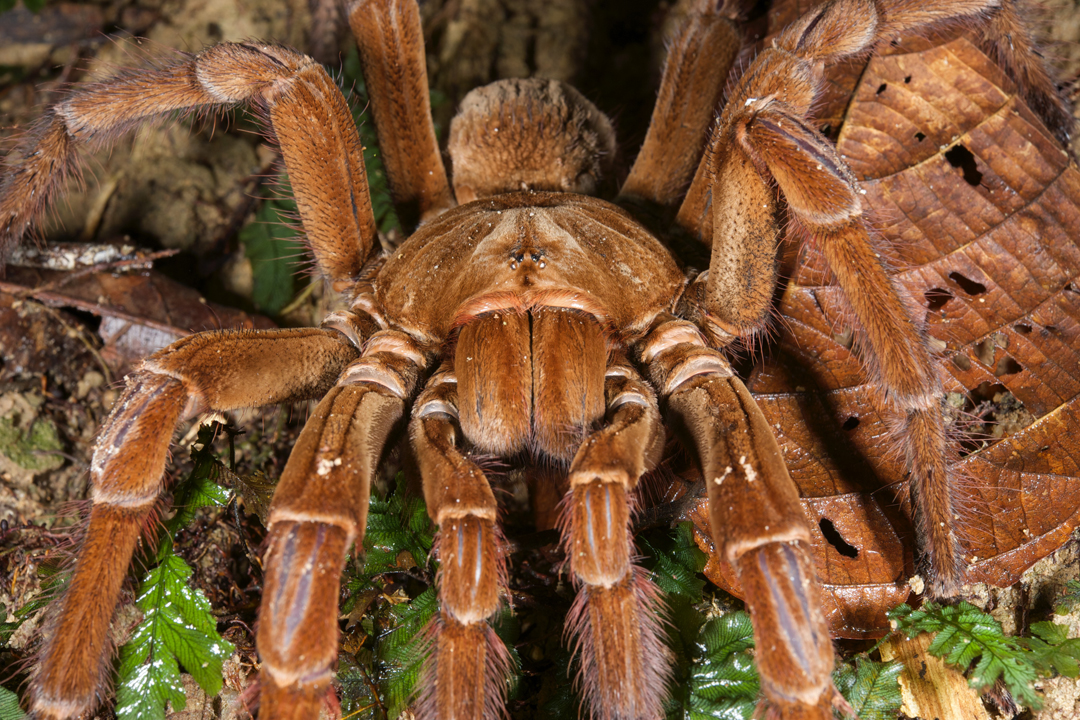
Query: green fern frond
[[178, 628], [399, 535], [1067, 602], [714, 673], [967, 636], [401, 651], [1053, 651], [871, 688], [676, 562], [9, 706], [200, 489], [724, 682]]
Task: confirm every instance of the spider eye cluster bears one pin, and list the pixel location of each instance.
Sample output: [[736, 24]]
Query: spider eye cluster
[[532, 134]]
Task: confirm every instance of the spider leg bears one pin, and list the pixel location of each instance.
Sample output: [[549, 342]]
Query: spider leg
[[624, 665], [466, 675], [756, 518], [319, 510], [391, 44], [700, 55], [307, 114], [764, 137], [216, 370]]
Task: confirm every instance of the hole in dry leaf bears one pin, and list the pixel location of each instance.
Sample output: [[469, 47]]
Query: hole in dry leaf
[[920, 136], [936, 298], [907, 79], [1071, 287], [851, 423], [1007, 366], [994, 412], [834, 538], [960, 157], [1022, 328], [962, 362], [968, 285], [984, 351], [1049, 330], [881, 89]]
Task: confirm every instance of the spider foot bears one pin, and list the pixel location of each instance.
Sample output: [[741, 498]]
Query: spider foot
[[467, 671], [617, 635]]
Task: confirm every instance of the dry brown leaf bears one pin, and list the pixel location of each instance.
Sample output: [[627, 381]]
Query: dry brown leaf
[[977, 204], [141, 311]]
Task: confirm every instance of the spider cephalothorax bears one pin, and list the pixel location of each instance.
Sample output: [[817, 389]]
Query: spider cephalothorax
[[528, 320]]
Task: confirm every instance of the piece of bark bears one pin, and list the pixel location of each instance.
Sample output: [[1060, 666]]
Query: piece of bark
[[930, 688]]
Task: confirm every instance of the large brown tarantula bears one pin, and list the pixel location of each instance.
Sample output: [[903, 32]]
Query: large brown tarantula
[[525, 319]]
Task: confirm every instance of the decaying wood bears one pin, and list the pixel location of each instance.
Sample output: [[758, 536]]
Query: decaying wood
[[931, 689]]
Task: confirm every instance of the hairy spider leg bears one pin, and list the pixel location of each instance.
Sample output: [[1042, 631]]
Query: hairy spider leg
[[700, 55], [319, 510], [466, 675], [615, 623], [213, 371], [710, 408], [306, 112], [391, 44]]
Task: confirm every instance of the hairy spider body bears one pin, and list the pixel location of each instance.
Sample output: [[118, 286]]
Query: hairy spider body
[[531, 321]]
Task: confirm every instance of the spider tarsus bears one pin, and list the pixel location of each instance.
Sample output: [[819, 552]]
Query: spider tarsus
[[794, 655], [74, 662], [617, 633], [466, 678]]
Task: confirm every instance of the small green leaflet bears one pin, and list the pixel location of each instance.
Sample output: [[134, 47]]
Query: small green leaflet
[[273, 248], [9, 706], [714, 673], [395, 525], [872, 688], [200, 489], [399, 537], [1053, 650], [678, 562], [400, 653], [723, 681], [177, 629]]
